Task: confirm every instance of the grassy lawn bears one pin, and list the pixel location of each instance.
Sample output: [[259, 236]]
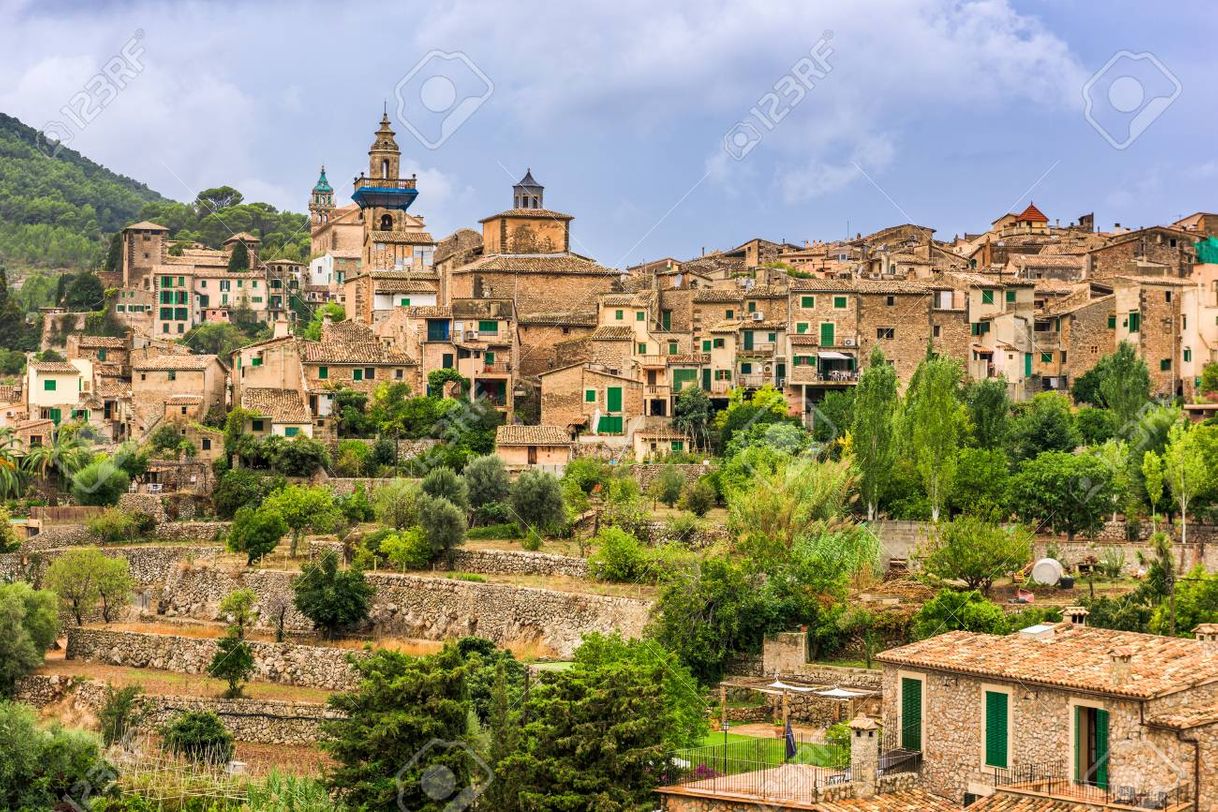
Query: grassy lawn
[[748, 753]]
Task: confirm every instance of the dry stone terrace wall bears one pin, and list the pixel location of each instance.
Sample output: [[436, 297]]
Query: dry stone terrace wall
[[249, 720], [284, 663], [78, 535], [523, 562], [428, 608], [151, 565]]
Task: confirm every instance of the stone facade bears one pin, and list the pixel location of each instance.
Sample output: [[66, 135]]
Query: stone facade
[[283, 663], [249, 720], [513, 562]]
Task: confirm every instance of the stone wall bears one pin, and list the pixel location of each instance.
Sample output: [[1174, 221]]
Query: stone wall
[[786, 655], [151, 565], [428, 608], [519, 562], [249, 720], [77, 535], [645, 474], [283, 663]]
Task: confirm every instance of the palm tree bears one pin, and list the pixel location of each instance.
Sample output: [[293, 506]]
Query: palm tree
[[11, 477], [64, 456]]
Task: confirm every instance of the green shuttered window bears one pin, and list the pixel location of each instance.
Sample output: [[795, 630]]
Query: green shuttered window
[[911, 714], [996, 729]]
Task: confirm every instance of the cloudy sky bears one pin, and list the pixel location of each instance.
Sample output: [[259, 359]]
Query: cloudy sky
[[664, 127]]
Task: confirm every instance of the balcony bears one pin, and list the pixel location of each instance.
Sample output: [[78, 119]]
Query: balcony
[[656, 390], [753, 380], [389, 193], [811, 375], [652, 360], [1050, 780]]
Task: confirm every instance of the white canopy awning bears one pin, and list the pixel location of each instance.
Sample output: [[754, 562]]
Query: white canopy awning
[[842, 693], [779, 685], [829, 355]]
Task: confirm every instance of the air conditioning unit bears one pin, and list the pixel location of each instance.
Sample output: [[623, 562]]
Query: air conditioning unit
[[471, 335], [847, 342], [758, 315]]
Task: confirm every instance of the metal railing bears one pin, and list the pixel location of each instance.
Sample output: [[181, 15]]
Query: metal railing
[[761, 768], [1052, 779], [363, 182]]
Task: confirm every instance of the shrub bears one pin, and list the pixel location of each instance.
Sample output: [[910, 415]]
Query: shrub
[[619, 556], [509, 530], [443, 526], [396, 503], [29, 621], [256, 532], [682, 528], [165, 437], [48, 767], [537, 500], [233, 662], [531, 541], [333, 599], [82, 577], [241, 487], [407, 549], [668, 485], [355, 506], [698, 497], [352, 458], [975, 552], [114, 526], [444, 483], [587, 473], [467, 576], [488, 482], [198, 736], [100, 483], [119, 714]]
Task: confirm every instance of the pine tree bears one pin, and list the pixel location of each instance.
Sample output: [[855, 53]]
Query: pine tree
[[239, 260], [873, 431]]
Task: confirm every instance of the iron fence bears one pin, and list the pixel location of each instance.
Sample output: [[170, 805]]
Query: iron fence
[[1053, 778]]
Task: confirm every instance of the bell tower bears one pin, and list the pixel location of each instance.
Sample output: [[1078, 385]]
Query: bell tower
[[384, 157], [528, 193], [321, 201]]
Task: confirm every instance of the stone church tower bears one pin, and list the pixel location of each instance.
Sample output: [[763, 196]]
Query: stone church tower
[[321, 201], [528, 193]]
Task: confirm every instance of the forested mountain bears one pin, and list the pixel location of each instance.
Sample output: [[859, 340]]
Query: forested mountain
[[56, 212]]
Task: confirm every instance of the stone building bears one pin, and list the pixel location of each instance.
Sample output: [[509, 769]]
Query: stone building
[[1171, 248], [1059, 710], [547, 447], [158, 378]]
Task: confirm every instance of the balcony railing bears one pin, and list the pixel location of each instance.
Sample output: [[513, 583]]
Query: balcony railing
[[384, 183], [656, 390], [828, 377], [1051, 779]]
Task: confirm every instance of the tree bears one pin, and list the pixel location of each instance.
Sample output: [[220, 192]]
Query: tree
[[989, 409], [487, 481], [198, 736], [1069, 492], [691, 415], [668, 485], [980, 489], [29, 622], [698, 497], [300, 456], [950, 610], [396, 503], [238, 608], [1186, 472], [444, 483], [537, 500], [973, 551], [256, 532], [120, 713], [233, 662], [595, 738], [215, 338], [114, 585], [83, 291], [49, 767], [1209, 379], [210, 201], [239, 259], [304, 509], [333, 599], [1095, 426], [1125, 385], [73, 576], [443, 526], [935, 415], [1152, 478], [385, 742], [873, 435], [1044, 424], [241, 487]]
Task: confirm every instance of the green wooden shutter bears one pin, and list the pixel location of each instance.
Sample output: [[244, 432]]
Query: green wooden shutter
[[911, 714], [1078, 745], [1027, 365], [682, 377], [748, 339], [1101, 749], [827, 330], [613, 399], [996, 729], [706, 379]]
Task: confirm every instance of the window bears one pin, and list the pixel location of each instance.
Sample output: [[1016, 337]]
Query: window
[[101, 355], [801, 327], [397, 374], [171, 375], [256, 361], [997, 722], [719, 343], [405, 301], [619, 315], [257, 425], [357, 374], [205, 442], [706, 346], [752, 307], [167, 314], [589, 396], [839, 302], [911, 714], [980, 328], [934, 331], [672, 348], [987, 296], [1135, 321], [772, 337], [1010, 297], [885, 332], [666, 319], [1063, 356], [489, 358], [1165, 365], [488, 327], [323, 373], [369, 373], [890, 300], [729, 314], [639, 315], [1188, 355], [723, 374], [746, 368], [1167, 295], [678, 445], [807, 301], [48, 385], [642, 348], [1046, 357], [1112, 321]]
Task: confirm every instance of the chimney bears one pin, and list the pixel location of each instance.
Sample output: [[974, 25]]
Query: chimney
[[281, 328], [864, 755], [1076, 615], [326, 319], [1207, 633], [1120, 658]]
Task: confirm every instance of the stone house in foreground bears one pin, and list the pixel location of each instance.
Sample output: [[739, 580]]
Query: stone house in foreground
[[532, 446], [1060, 711]]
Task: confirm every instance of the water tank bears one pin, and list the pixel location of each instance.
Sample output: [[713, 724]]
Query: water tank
[[1047, 571]]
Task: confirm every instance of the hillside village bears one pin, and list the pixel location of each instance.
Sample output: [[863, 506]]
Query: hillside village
[[896, 522]]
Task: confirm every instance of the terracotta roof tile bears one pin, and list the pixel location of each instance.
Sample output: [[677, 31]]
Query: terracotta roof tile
[[613, 333], [281, 405], [350, 342], [54, 368], [531, 435], [538, 263], [174, 362], [536, 214]]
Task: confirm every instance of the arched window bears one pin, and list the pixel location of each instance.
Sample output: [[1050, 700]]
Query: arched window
[[384, 167], [386, 222]]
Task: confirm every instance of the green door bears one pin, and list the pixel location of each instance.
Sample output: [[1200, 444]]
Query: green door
[[996, 729], [911, 714], [748, 339], [1091, 746], [1027, 365], [706, 380], [780, 371], [1101, 749], [613, 399], [826, 334]]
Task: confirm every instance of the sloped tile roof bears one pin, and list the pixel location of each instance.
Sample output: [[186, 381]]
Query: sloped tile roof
[[613, 333], [107, 342], [403, 286], [54, 368], [174, 362], [536, 214], [1012, 802], [350, 342], [1077, 657], [538, 263], [560, 319], [281, 405], [531, 435]]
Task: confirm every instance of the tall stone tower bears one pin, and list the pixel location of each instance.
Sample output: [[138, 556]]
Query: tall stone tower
[[528, 193], [392, 238], [321, 201]]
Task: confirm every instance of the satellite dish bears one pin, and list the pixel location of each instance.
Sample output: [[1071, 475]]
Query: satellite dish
[[1047, 571]]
